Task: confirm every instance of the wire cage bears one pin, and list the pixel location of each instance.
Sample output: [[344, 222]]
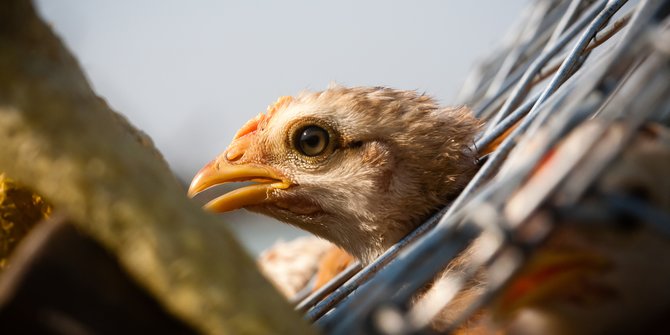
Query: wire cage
[[572, 86]]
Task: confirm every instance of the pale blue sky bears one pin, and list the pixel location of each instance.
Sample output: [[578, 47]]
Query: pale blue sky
[[190, 73]]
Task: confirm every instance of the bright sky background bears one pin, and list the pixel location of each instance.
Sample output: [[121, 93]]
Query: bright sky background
[[190, 73]]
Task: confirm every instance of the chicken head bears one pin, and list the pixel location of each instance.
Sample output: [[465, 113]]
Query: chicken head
[[360, 167]]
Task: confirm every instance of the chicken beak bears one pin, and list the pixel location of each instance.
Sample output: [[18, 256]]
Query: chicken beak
[[219, 172]]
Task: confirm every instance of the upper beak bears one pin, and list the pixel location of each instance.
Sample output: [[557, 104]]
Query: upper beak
[[219, 171]]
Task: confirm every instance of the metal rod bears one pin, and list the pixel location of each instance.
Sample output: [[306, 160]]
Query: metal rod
[[333, 284], [389, 278], [374, 293], [339, 294], [498, 156], [370, 270], [521, 87], [486, 139]]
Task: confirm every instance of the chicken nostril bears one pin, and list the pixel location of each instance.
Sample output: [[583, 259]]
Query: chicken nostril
[[233, 155]]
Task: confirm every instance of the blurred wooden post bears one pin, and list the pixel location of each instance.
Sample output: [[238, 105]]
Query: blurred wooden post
[[61, 139]]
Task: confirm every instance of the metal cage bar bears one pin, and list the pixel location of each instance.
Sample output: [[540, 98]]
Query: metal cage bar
[[632, 70]]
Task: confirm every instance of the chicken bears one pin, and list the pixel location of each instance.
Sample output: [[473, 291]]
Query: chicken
[[303, 265], [360, 167], [602, 275], [291, 265]]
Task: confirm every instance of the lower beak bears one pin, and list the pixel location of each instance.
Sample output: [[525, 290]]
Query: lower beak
[[219, 172]]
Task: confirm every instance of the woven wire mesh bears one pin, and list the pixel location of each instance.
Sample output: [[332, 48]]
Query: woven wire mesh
[[565, 63]]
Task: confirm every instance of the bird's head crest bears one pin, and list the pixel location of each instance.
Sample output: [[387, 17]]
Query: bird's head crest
[[239, 144]]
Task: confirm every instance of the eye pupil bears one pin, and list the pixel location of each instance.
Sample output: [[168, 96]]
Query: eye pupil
[[313, 141]]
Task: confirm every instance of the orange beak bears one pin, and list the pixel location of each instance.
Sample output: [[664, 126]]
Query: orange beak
[[220, 171]]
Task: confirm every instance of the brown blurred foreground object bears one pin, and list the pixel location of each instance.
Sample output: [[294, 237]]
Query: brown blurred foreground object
[[64, 142], [62, 282], [20, 210]]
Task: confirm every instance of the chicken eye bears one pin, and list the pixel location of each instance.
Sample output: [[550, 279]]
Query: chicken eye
[[312, 141]]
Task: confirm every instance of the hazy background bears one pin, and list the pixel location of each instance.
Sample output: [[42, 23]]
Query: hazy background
[[190, 73]]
